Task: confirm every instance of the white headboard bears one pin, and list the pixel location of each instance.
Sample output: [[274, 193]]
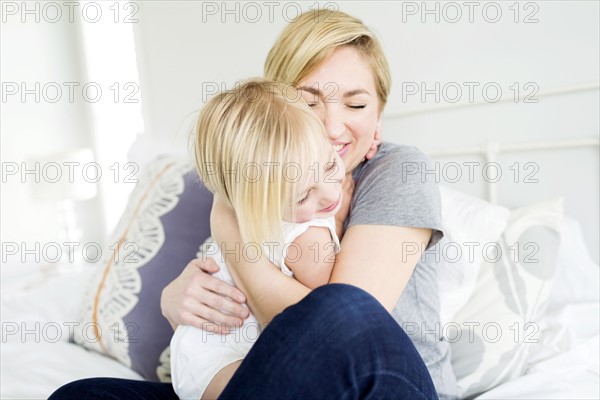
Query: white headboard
[[543, 150]]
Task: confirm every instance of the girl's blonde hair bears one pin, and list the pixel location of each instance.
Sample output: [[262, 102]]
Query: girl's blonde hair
[[313, 36], [252, 146]]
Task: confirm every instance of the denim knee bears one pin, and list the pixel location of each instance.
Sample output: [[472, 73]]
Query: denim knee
[[114, 389], [336, 313], [80, 389], [343, 297], [338, 342], [345, 301]]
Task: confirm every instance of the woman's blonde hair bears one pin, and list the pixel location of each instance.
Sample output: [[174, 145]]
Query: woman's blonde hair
[[252, 146], [313, 36]]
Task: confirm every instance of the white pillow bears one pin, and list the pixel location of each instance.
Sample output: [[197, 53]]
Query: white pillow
[[469, 223], [577, 278], [572, 315], [493, 335]]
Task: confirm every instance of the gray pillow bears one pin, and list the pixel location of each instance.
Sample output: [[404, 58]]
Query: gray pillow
[[166, 221]]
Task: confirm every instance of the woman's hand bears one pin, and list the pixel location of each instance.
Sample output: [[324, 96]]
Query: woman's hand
[[342, 214], [196, 298]]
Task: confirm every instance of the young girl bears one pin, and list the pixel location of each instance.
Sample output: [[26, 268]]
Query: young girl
[[261, 149]]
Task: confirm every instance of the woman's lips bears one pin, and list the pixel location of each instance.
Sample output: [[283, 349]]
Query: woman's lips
[[333, 206], [341, 148]]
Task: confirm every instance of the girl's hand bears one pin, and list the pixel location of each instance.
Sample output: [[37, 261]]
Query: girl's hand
[[199, 299], [374, 146], [342, 214]]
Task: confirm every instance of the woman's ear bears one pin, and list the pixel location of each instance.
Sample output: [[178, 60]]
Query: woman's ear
[[379, 129], [376, 138]]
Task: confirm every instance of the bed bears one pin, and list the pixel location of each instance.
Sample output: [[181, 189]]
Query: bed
[[41, 308]]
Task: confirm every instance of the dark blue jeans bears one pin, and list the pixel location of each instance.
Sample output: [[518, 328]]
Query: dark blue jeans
[[337, 343]]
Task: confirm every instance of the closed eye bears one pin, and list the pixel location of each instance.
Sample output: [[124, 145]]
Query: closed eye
[[305, 198], [358, 107]]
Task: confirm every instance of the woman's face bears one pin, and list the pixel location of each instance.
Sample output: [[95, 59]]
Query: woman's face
[[342, 92]]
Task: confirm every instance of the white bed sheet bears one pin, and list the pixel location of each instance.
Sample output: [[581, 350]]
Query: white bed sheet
[[564, 364], [571, 375], [34, 364], [35, 370]]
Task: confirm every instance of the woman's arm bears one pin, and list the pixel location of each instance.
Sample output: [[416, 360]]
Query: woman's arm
[[379, 259], [393, 198]]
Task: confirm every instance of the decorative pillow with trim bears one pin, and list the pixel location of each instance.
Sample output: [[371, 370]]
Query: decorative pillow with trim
[[495, 332], [166, 221]]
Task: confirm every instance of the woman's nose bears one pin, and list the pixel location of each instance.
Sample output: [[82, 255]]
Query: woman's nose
[[334, 124]]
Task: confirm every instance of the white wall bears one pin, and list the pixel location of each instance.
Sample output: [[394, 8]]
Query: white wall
[[185, 46], [45, 53], [64, 47], [561, 51]]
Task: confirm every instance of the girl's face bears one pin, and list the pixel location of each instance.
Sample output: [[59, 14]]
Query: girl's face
[[342, 92], [321, 195]]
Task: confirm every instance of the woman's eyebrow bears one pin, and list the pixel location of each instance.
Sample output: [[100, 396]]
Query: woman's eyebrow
[[310, 90], [317, 92], [355, 92]]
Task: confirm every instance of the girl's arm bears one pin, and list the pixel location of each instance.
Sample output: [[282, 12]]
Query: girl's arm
[[221, 379], [314, 258], [196, 298], [314, 264], [260, 280], [342, 214]]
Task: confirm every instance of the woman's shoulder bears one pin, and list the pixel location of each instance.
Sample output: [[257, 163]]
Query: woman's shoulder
[[396, 187], [389, 150], [394, 158]]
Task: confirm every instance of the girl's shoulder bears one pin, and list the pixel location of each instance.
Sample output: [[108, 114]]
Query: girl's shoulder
[[292, 230]]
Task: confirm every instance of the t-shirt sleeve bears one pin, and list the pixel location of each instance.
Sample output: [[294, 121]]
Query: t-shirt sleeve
[[398, 188]]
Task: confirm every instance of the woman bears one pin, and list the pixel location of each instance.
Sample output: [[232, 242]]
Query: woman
[[339, 67], [338, 340]]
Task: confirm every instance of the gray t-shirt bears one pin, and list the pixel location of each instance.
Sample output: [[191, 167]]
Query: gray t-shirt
[[395, 188]]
